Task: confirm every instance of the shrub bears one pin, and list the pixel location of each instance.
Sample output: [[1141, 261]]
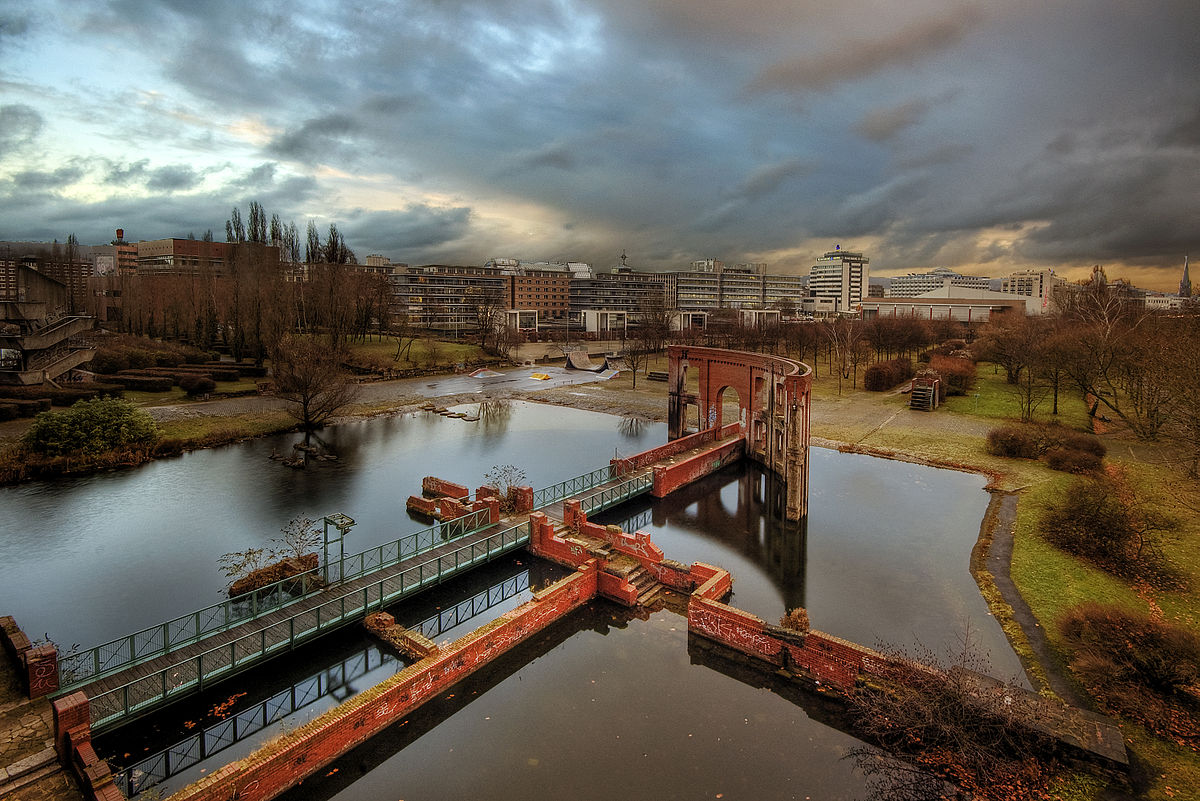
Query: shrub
[[144, 383], [885, 375], [958, 374], [796, 620], [91, 427], [1011, 441], [140, 358], [64, 396], [166, 358], [1092, 520], [195, 385], [1072, 460], [108, 361], [1137, 666]]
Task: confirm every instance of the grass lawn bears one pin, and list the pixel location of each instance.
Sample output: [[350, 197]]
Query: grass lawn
[[177, 395], [384, 352], [992, 397], [206, 428]]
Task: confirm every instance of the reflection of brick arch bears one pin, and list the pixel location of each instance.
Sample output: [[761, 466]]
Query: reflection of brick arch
[[773, 394]]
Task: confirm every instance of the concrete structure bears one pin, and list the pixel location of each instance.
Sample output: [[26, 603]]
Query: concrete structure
[[979, 306], [914, 284], [773, 399], [39, 337], [1038, 285], [842, 275]]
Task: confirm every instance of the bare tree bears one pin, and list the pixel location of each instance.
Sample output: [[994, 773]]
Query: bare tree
[[308, 375]]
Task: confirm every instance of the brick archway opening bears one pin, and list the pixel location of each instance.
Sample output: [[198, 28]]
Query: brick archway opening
[[773, 395]]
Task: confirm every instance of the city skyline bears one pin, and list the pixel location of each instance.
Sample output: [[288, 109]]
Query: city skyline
[[944, 133]]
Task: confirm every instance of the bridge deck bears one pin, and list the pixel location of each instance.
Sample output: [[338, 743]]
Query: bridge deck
[[148, 683]]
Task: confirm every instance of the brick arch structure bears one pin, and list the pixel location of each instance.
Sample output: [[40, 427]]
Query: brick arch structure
[[773, 394]]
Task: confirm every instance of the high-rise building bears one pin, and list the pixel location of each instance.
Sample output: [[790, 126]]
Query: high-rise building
[[1185, 283], [841, 275]]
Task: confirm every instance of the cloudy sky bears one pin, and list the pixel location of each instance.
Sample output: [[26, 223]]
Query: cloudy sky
[[980, 136]]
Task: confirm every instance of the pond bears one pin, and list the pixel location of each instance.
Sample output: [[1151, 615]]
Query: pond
[[604, 702]]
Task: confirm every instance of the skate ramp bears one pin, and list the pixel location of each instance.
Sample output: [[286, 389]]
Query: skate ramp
[[579, 360]]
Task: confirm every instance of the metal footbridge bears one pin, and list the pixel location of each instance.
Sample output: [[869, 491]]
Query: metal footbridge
[[135, 674]]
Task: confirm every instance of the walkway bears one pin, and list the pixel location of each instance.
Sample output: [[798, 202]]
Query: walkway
[[142, 672], [29, 769]]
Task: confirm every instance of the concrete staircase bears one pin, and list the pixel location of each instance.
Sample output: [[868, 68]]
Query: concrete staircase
[[29, 767]]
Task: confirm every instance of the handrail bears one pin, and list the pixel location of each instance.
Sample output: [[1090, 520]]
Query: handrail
[[230, 657], [84, 666], [149, 771]]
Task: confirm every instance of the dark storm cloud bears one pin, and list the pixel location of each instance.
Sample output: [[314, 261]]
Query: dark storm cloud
[[415, 228], [577, 129], [856, 59], [126, 174], [59, 179], [175, 178], [319, 138], [19, 126], [882, 124], [13, 24]]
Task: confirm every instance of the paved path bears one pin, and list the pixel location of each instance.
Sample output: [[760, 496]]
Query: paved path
[[29, 769]]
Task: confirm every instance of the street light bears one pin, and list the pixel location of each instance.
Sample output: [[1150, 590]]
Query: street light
[[342, 524]]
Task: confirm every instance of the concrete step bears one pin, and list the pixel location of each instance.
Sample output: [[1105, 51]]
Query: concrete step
[[28, 770]]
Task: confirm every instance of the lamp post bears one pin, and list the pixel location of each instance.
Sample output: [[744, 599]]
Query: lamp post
[[341, 524]]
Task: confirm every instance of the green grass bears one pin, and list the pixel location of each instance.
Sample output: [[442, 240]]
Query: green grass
[[231, 427], [992, 397], [1052, 582], [384, 352], [177, 395]]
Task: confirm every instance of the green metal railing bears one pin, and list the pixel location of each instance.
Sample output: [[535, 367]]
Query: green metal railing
[[82, 667], [572, 486], [192, 674], [618, 493]]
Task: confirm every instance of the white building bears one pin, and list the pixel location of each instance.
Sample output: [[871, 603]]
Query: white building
[[913, 284], [1035, 284], [841, 275]]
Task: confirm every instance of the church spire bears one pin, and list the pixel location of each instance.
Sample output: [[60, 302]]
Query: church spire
[[1185, 283]]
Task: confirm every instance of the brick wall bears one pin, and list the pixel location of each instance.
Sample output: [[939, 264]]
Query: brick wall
[[668, 478], [822, 656], [37, 665], [73, 742], [288, 760], [672, 448], [439, 487]]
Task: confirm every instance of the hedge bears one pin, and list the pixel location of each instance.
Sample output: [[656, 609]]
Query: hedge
[[885, 375]]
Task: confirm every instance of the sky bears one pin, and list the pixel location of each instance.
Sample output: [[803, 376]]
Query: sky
[[985, 137]]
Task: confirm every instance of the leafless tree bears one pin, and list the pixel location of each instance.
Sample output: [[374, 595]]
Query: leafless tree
[[308, 375]]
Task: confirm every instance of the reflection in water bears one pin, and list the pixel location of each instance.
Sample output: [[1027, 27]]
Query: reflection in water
[[233, 716], [632, 426], [632, 713], [333, 682], [755, 525], [494, 415]]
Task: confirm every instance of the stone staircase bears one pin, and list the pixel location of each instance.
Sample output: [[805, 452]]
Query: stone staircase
[[647, 586], [29, 767]]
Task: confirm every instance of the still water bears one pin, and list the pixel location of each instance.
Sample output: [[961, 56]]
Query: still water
[[88, 560], [602, 702]]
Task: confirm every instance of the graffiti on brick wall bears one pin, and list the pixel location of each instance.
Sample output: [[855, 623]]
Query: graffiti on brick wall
[[714, 625]]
